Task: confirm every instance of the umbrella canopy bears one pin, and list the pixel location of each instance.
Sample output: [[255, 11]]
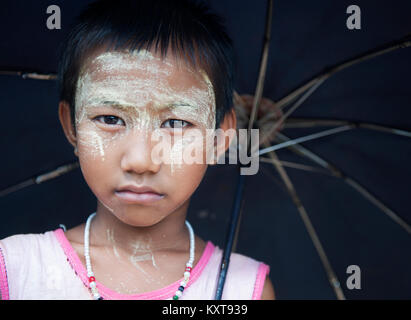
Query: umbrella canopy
[[306, 38]]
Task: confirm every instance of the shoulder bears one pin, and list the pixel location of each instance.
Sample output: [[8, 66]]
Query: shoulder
[[247, 279], [24, 248], [25, 241], [268, 290], [20, 256], [259, 271], [36, 267]]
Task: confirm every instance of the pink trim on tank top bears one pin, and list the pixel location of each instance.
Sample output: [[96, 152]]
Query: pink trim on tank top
[[263, 270], [106, 293], [4, 287]]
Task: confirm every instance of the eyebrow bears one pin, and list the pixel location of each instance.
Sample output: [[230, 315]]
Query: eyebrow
[[120, 106]]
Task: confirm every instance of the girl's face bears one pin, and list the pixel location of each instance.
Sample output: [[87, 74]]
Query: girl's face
[[122, 98]]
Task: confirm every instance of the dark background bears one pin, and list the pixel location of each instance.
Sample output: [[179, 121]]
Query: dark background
[[307, 36]]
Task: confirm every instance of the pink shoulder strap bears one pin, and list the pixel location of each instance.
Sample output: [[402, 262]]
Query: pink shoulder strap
[[245, 276], [4, 287], [263, 271]]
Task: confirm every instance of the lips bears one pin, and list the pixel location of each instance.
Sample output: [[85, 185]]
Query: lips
[[135, 194]]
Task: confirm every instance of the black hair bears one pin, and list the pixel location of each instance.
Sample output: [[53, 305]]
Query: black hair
[[193, 33]]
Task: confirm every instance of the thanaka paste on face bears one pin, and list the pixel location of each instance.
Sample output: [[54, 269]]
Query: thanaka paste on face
[[110, 78]]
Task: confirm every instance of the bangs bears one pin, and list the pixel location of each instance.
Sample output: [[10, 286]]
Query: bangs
[[193, 34]]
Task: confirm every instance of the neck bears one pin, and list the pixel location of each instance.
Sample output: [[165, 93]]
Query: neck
[[170, 233]]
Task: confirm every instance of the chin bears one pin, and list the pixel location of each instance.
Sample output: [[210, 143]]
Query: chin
[[139, 217]]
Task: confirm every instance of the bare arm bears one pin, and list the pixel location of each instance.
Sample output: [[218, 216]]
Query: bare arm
[[268, 290]]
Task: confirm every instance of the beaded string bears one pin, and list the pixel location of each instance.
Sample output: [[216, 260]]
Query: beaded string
[[92, 279]]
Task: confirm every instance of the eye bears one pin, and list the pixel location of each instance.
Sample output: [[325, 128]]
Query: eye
[[176, 124], [109, 120]]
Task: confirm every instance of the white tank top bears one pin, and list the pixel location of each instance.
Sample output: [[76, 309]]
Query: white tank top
[[45, 266]]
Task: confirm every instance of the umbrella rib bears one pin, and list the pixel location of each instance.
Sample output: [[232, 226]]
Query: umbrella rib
[[29, 75], [40, 178], [16, 187], [263, 67], [291, 164], [298, 103], [315, 82], [305, 138], [394, 45], [295, 165], [350, 181], [332, 278], [304, 123]]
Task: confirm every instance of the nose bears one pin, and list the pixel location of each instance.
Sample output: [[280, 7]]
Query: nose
[[137, 155]]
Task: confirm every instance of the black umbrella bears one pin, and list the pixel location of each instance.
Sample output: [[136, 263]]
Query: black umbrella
[[341, 151]]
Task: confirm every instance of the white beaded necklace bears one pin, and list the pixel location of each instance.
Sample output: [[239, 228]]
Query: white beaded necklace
[[92, 279]]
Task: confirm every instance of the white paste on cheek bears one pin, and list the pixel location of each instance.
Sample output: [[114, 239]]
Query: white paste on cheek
[[97, 140]]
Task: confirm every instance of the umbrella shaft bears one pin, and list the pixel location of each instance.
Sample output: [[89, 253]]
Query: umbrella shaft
[[231, 235]]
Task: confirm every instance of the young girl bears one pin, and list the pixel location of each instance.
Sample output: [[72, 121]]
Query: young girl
[[131, 72]]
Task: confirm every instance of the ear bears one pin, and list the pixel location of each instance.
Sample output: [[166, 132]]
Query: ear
[[65, 120], [228, 127]]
